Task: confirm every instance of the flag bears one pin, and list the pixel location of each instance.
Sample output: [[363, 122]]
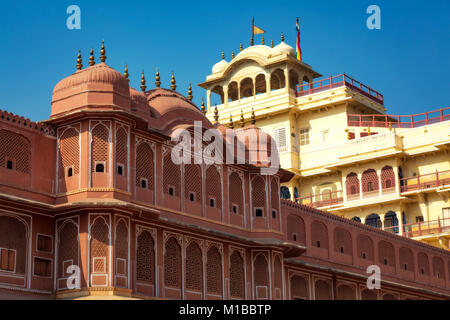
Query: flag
[[257, 30], [299, 49]]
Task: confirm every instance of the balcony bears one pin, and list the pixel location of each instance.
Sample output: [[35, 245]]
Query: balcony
[[426, 228], [341, 80], [326, 199], [425, 182], [390, 121]]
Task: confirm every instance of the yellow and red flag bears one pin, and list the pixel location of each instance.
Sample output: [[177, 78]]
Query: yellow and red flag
[[299, 49]]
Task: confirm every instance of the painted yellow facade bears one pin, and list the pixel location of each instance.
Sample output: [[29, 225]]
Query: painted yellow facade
[[382, 170]]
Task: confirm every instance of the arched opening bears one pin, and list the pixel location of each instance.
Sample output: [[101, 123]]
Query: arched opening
[[237, 276], [387, 179], [293, 80], [219, 91], [260, 84], [322, 290], [67, 247], [99, 250], [319, 235], [13, 244], [365, 249], [357, 219], [343, 241], [277, 278], [121, 253], [391, 222], [277, 80], [296, 229], [370, 182], [145, 258], [374, 220], [285, 193], [261, 276], [299, 288], [247, 88], [144, 166], [423, 264], [406, 257], [386, 253], [194, 268], [233, 92], [172, 264], [235, 194], [258, 196], [345, 292], [352, 186], [367, 294], [214, 271]]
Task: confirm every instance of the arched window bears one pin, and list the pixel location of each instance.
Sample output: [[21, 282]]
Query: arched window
[[285, 193], [277, 80], [68, 156], [247, 88], [352, 185], [365, 248], [16, 149], [144, 166], [387, 178], [293, 79], [386, 253], [319, 235], [391, 222], [374, 220], [343, 241], [194, 267], [258, 196], [277, 277], [99, 246], [423, 264], [345, 292], [121, 249], [357, 219], [406, 257], [261, 276], [235, 194], [193, 183], [145, 258], [171, 177], [260, 84], [214, 271], [296, 229], [219, 91], [100, 148], [370, 181], [233, 92], [13, 244], [237, 276], [67, 247], [172, 264], [214, 187], [299, 288], [438, 268], [322, 290], [121, 152]]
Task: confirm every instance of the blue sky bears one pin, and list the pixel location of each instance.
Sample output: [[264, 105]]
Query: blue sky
[[408, 60]]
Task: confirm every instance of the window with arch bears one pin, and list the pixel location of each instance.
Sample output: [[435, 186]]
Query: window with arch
[[406, 258], [319, 235], [423, 264], [293, 79], [67, 247], [145, 257], [235, 194], [214, 187], [343, 241], [260, 84], [193, 182], [194, 267], [121, 151], [214, 271], [258, 196], [171, 177], [144, 166], [68, 155], [13, 244], [374, 220], [261, 276], [172, 263], [247, 88], [277, 79], [386, 253], [438, 268], [365, 247], [277, 277], [299, 288], [296, 229], [121, 248], [352, 185], [370, 181], [346, 292], [100, 148], [322, 290], [99, 246], [387, 178], [15, 153], [233, 91], [237, 276]]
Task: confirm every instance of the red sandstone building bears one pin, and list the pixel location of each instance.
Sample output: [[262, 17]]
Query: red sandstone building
[[94, 186]]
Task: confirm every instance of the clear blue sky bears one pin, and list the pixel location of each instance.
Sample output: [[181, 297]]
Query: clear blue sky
[[408, 60]]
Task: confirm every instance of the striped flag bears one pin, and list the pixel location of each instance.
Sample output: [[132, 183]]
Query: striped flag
[[299, 49]]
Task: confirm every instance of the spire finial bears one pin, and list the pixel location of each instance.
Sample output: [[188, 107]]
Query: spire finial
[[262, 40], [174, 83], [390, 126], [253, 117], [242, 119], [190, 96], [216, 114], [231, 125], [232, 54], [223, 55], [126, 74], [252, 42], [241, 47], [203, 109], [91, 58], [143, 86], [157, 79], [271, 43], [103, 52], [79, 61], [282, 37]]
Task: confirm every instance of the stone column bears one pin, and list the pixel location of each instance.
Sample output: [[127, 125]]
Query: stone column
[[208, 99], [225, 96]]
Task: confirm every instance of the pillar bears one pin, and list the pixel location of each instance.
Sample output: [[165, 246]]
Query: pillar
[[268, 87], [225, 95], [208, 99]]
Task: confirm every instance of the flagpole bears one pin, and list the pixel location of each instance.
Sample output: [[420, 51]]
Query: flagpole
[[253, 31]]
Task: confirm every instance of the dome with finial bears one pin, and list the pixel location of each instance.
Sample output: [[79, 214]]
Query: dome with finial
[[221, 65], [283, 48]]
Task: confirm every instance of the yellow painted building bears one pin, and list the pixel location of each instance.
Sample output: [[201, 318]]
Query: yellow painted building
[[350, 158]]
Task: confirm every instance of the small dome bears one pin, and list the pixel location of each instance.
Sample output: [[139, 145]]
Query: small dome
[[283, 48], [220, 66], [99, 73], [258, 49]]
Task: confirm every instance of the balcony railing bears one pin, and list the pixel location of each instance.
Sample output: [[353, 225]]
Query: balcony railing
[[426, 181], [341, 80], [425, 228], [390, 121], [325, 199]]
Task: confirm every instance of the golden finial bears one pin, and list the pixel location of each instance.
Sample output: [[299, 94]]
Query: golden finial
[[232, 54], [203, 109], [390, 126], [126, 74], [223, 55], [143, 86], [368, 131], [91, 58], [282, 37], [216, 114], [190, 96], [79, 61], [242, 119], [103, 52], [251, 41], [173, 86], [157, 79], [271, 43], [262, 40], [241, 47], [231, 125], [348, 134], [253, 117]]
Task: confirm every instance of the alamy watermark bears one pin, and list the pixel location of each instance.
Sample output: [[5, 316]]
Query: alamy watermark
[[374, 20], [73, 22]]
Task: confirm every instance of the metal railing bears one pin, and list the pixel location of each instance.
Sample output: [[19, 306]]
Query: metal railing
[[426, 228], [325, 199], [391, 121], [425, 181], [338, 81]]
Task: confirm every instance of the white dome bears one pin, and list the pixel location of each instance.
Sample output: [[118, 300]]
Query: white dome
[[258, 49], [220, 66], [283, 48]]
